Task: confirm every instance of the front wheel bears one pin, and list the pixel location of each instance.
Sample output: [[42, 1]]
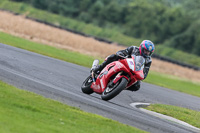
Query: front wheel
[[86, 85], [114, 90]]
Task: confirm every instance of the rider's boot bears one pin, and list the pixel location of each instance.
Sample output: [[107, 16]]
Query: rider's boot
[[109, 59], [99, 68]]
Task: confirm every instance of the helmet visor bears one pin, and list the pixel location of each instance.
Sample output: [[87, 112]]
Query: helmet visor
[[146, 52]]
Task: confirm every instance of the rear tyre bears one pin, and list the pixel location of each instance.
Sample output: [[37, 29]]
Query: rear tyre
[[114, 90], [86, 85]]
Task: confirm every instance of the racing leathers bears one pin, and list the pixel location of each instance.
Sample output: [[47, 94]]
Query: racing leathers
[[126, 53]]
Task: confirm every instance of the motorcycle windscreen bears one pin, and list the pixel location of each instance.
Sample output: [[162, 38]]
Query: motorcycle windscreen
[[139, 63], [139, 66]]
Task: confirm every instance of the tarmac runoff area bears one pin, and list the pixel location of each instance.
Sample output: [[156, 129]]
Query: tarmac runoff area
[[139, 105]]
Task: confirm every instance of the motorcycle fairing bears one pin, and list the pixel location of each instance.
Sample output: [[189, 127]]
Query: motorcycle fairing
[[103, 79], [126, 65]]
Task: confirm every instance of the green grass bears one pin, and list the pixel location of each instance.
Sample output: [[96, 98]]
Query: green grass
[[84, 60], [190, 116], [178, 55], [23, 112], [61, 54], [174, 83]]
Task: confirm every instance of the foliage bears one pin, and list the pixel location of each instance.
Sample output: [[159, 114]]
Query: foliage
[[178, 55], [157, 20], [188, 41]]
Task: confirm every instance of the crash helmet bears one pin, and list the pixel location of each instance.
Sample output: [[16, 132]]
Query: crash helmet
[[146, 48]]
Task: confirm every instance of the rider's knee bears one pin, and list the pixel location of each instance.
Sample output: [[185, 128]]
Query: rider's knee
[[134, 87], [111, 58]]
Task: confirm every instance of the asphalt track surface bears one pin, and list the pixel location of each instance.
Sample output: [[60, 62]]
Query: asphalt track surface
[[61, 81]]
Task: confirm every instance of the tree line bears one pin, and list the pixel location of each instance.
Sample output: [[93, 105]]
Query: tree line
[[168, 22]]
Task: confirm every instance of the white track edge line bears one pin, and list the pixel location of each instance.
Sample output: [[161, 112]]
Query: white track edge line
[[134, 105]]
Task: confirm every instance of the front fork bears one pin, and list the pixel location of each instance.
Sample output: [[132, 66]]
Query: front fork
[[118, 77], [93, 78]]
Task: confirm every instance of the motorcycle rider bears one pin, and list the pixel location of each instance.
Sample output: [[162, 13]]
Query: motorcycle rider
[[145, 49]]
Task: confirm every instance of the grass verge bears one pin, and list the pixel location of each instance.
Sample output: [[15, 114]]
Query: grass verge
[[84, 60], [22, 111], [173, 83], [189, 116], [69, 56]]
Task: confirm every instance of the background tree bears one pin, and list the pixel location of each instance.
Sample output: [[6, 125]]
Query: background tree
[[174, 23]]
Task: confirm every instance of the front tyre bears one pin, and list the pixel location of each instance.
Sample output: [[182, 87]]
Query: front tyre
[[114, 90], [86, 85]]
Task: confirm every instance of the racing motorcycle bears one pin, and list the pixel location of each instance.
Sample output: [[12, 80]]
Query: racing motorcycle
[[115, 77]]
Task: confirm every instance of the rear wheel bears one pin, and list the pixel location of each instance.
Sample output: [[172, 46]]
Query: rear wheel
[[86, 85], [113, 90]]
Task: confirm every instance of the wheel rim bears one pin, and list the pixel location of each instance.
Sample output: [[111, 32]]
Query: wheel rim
[[88, 81], [109, 89]]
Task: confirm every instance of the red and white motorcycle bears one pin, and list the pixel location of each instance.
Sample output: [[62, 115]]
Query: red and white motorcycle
[[115, 77]]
